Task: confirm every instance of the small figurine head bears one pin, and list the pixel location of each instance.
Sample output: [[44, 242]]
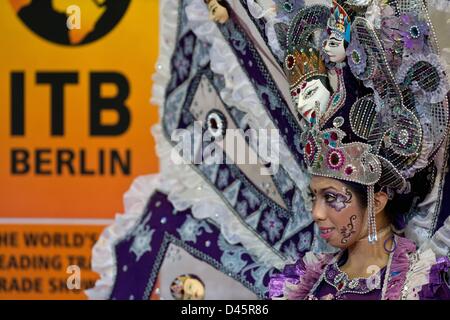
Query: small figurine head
[[217, 11], [338, 29], [187, 287]]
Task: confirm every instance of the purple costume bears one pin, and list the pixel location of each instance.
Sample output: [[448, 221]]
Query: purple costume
[[410, 274]]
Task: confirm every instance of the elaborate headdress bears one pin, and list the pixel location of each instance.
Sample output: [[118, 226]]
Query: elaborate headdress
[[339, 23], [386, 137]]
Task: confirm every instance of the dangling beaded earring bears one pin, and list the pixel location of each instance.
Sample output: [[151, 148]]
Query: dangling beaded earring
[[372, 225]]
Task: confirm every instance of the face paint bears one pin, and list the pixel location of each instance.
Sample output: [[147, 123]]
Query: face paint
[[338, 212], [348, 230], [338, 201]]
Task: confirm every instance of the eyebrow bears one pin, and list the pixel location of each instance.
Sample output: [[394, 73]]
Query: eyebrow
[[333, 38], [325, 189], [330, 189]]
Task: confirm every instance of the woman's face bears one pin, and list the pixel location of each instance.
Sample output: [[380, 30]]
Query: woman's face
[[312, 99], [337, 212], [217, 12], [334, 48]]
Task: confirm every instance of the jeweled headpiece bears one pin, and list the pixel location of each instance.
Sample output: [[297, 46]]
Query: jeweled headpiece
[[383, 138]]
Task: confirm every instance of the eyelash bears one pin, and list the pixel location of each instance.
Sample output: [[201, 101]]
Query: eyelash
[[329, 197], [333, 44], [309, 93]]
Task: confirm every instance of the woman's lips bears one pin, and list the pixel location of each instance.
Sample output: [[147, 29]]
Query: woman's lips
[[326, 233]]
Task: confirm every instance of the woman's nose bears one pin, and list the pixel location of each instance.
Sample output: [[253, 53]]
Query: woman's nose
[[318, 212]]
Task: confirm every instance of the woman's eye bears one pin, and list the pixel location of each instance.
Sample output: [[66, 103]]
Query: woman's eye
[[330, 198]]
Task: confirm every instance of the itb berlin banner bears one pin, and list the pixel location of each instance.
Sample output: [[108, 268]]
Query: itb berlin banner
[[75, 118]]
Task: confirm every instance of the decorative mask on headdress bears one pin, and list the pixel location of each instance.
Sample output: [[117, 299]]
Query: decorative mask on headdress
[[303, 65]]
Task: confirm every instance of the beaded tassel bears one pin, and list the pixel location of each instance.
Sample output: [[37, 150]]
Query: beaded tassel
[[372, 225]]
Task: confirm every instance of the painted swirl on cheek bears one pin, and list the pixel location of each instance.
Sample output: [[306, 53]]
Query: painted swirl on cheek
[[341, 201], [348, 230]]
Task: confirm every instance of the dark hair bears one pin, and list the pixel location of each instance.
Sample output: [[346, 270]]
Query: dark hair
[[401, 204], [325, 81]]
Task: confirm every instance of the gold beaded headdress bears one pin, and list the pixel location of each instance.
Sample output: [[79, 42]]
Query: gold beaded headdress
[[383, 138], [388, 136]]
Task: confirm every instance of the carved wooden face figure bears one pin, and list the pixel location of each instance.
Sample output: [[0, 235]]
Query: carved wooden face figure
[[217, 12], [337, 211], [313, 99]]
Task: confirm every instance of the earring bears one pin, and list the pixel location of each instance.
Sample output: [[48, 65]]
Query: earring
[[371, 222]]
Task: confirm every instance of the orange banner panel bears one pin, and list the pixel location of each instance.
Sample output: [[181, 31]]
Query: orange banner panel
[[75, 115], [46, 261]]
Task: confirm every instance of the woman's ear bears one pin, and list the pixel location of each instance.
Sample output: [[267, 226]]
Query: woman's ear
[[381, 199]]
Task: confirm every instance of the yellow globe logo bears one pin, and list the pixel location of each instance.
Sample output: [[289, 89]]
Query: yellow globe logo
[[70, 22]]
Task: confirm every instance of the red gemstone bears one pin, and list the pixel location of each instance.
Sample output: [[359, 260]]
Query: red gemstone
[[326, 141], [340, 285], [334, 136], [335, 159], [348, 171], [290, 62], [308, 148]]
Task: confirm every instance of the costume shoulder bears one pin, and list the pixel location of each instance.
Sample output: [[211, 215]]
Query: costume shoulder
[[296, 280], [427, 277]]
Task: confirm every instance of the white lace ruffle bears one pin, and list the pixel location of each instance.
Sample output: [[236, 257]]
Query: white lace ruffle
[[103, 255], [261, 9], [439, 5], [418, 274], [268, 13], [373, 14], [186, 188], [440, 242]]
